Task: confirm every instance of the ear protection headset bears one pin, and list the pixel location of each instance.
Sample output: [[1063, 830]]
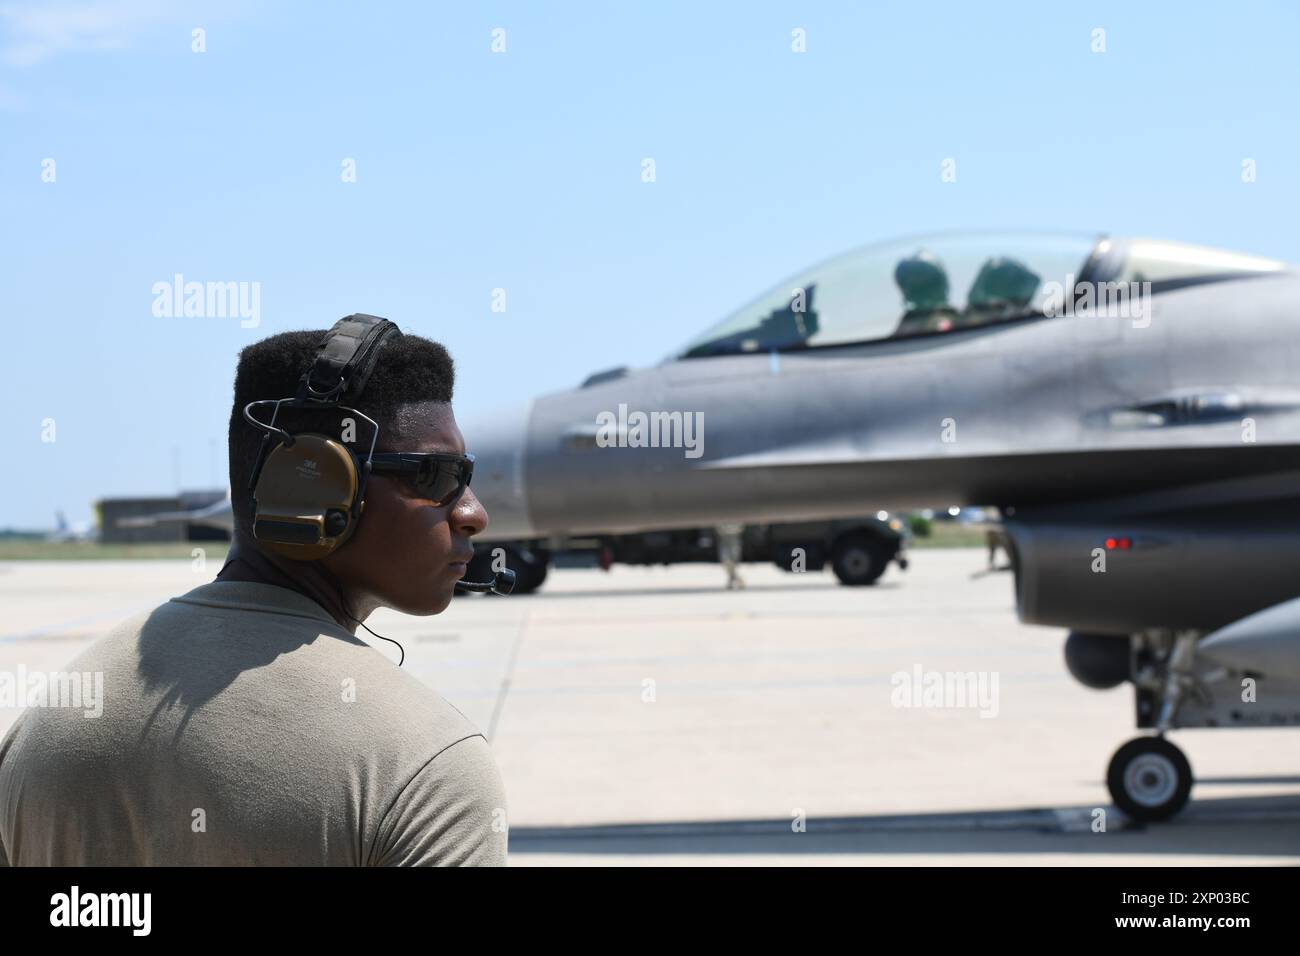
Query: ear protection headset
[[309, 489]]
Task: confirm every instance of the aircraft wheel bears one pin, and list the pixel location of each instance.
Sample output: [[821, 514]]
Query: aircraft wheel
[[1149, 779], [858, 560]]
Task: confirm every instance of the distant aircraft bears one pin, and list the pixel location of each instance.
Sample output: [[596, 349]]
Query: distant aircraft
[[63, 531], [1130, 406], [219, 515]]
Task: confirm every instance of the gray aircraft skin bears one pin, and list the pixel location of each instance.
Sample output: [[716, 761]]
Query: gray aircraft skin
[[219, 515], [1144, 452]]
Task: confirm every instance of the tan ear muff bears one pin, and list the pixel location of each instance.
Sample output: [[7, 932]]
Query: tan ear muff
[[304, 498]]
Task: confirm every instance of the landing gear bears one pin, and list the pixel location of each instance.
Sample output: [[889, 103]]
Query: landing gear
[[1149, 779]]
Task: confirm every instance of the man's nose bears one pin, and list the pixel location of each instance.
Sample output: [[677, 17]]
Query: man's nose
[[469, 517]]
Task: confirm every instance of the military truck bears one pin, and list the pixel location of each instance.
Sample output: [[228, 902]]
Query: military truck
[[858, 550]]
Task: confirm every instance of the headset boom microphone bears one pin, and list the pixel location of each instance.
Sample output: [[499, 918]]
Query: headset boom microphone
[[503, 582]]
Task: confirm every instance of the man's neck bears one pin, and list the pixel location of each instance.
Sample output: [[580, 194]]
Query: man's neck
[[246, 562]]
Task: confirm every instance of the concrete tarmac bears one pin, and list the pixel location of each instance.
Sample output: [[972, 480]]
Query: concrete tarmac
[[648, 716]]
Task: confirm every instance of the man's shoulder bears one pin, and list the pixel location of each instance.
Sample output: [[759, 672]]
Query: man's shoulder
[[258, 649], [313, 652], [452, 812]]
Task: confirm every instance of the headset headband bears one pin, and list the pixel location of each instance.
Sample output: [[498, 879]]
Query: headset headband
[[345, 359]]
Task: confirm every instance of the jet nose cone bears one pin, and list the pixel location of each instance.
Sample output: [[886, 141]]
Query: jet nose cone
[[499, 442]]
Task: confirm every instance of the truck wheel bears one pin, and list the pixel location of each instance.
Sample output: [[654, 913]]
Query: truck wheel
[[537, 564], [529, 564], [858, 560]]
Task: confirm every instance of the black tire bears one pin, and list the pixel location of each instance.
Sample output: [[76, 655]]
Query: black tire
[[1149, 779], [529, 564], [859, 559], [537, 569]]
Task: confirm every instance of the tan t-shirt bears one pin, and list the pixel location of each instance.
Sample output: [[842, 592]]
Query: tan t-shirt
[[241, 725]]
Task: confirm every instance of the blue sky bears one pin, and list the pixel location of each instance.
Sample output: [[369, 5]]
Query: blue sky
[[522, 171]]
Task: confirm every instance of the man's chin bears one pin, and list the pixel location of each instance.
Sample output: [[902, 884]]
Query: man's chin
[[432, 601]]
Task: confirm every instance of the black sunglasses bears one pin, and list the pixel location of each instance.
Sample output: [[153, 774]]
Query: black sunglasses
[[442, 478]]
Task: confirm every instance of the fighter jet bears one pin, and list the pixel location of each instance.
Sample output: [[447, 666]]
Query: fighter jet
[[219, 515], [1130, 406]]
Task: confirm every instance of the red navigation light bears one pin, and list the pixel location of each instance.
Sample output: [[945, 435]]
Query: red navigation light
[[1122, 544]]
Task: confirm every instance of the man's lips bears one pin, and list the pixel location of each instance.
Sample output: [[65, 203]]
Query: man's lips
[[459, 564]]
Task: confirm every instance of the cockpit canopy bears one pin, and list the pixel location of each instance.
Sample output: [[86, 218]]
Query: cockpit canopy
[[938, 284]]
